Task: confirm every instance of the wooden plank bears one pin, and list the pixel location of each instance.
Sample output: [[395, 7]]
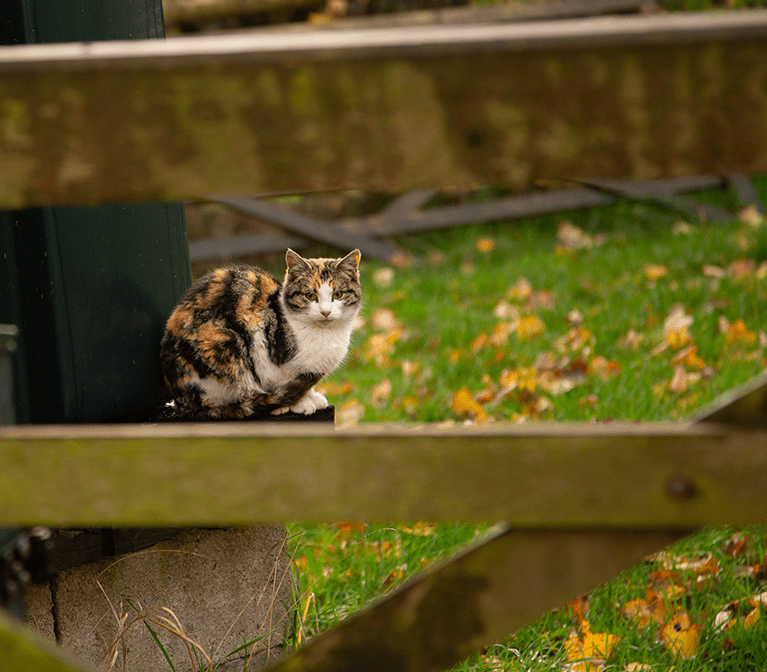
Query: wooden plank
[[473, 601], [627, 476], [745, 191], [21, 650], [636, 96]]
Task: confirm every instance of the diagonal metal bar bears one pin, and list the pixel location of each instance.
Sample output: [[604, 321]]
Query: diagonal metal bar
[[473, 600], [745, 191], [311, 228], [648, 191]]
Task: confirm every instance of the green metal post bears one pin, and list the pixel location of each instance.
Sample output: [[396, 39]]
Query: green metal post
[[88, 287]]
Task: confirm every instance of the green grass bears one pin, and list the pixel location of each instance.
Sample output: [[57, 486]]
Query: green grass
[[450, 297]]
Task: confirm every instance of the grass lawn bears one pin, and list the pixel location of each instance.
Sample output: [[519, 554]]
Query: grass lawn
[[622, 312]]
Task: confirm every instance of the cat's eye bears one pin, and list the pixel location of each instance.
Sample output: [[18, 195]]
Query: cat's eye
[[310, 295], [337, 294]]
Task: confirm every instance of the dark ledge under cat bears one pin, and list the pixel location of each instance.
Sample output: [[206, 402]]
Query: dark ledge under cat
[[241, 345]]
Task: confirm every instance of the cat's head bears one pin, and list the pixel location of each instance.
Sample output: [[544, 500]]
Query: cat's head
[[323, 292]]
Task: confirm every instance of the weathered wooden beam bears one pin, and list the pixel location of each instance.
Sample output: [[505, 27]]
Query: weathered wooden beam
[[635, 96], [473, 601], [21, 650], [617, 476]]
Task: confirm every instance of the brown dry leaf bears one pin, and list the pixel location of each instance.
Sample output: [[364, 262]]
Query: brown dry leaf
[[638, 610], [578, 607], [736, 545], [540, 299], [519, 291], [631, 340], [689, 358], [572, 237], [383, 277], [654, 271], [506, 311], [464, 405], [350, 413], [741, 269], [409, 368], [524, 379], [485, 245], [678, 383], [681, 636], [751, 216], [637, 667], [604, 368], [380, 393], [384, 319], [529, 327], [711, 271], [420, 529]]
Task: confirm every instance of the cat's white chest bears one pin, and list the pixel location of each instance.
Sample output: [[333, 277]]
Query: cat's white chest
[[319, 350]]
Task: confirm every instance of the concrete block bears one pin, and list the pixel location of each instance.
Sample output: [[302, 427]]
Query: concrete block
[[204, 593]]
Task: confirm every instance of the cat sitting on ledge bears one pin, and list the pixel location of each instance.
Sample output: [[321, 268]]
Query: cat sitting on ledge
[[241, 344]]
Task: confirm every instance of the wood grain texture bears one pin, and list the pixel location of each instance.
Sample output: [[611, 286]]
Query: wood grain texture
[[647, 476], [466, 105]]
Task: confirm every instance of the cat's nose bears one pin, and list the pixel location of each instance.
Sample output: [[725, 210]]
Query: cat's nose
[[326, 313]]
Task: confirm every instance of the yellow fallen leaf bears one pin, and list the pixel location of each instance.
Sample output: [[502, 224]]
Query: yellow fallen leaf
[[681, 636], [383, 277], [689, 358], [591, 649], [752, 617], [737, 332], [464, 405], [328, 387], [479, 342], [379, 346], [500, 335], [485, 245], [573, 237], [741, 269], [751, 216], [654, 271], [520, 290], [530, 326]]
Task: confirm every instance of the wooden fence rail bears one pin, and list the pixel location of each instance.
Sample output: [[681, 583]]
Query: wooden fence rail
[[635, 96]]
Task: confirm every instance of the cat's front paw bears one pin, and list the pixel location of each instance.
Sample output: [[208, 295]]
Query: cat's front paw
[[312, 401], [280, 411]]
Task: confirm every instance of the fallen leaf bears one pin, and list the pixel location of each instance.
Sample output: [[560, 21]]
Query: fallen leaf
[[751, 216], [328, 387], [485, 245], [574, 317], [639, 611], [479, 342], [500, 335], [680, 636], [678, 383], [380, 393], [506, 311], [741, 269], [654, 271], [409, 368], [631, 340], [737, 332], [384, 319], [350, 413], [573, 237], [464, 405], [530, 326], [681, 228], [604, 368], [676, 328], [689, 358], [520, 290], [591, 649], [380, 346], [383, 277], [711, 271]]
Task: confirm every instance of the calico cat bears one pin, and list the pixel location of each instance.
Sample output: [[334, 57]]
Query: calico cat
[[240, 344]]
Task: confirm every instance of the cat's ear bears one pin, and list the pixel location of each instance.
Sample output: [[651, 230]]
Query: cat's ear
[[294, 260], [351, 261]]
